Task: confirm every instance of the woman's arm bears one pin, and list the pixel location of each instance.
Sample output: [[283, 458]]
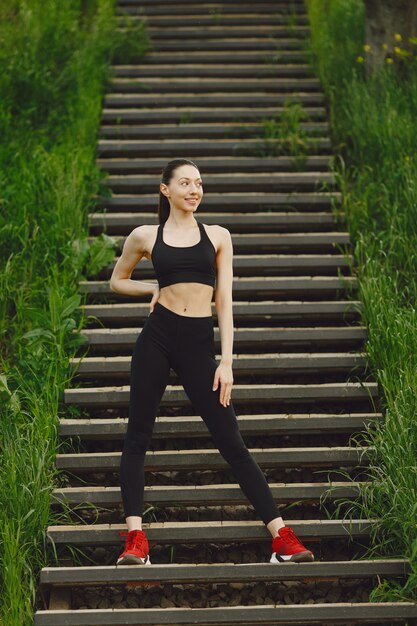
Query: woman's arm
[[133, 251], [224, 309]]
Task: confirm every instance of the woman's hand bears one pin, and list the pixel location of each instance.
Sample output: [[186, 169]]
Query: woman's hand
[[155, 298], [224, 375]]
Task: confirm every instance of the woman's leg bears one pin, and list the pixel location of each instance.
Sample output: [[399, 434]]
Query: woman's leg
[[195, 365], [148, 379]]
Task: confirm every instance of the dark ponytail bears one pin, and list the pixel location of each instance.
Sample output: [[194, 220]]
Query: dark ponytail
[[163, 204]]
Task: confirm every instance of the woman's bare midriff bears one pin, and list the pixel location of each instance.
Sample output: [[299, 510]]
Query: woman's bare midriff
[[189, 299]]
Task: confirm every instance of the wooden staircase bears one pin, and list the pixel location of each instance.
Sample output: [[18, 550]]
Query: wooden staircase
[[302, 389]]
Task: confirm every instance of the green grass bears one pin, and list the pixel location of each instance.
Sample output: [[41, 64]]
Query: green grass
[[373, 131], [283, 134], [54, 61], [280, 134]]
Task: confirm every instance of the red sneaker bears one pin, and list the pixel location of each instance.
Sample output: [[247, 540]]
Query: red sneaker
[[287, 547], [136, 551]]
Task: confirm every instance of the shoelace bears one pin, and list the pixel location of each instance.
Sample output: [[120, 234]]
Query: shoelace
[[290, 536], [136, 538]]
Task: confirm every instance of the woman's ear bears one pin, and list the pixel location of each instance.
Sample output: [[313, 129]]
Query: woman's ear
[[164, 189]]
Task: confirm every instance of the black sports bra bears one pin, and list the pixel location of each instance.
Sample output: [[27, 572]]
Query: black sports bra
[[190, 264]]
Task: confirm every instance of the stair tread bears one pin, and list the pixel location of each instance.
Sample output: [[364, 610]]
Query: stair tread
[[266, 281], [174, 460], [247, 529], [208, 495], [211, 97], [216, 83], [192, 426], [248, 198], [230, 177], [221, 572], [212, 55], [273, 337], [256, 307], [285, 614], [118, 69], [208, 142], [238, 220], [217, 165], [241, 360], [200, 8], [243, 18], [229, 28]]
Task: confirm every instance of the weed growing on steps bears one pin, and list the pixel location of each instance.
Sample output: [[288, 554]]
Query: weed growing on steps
[[217, 14], [186, 117], [282, 134], [372, 125], [53, 66], [132, 40], [292, 19]]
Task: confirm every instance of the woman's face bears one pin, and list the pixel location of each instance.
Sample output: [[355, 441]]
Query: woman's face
[[185, 189]]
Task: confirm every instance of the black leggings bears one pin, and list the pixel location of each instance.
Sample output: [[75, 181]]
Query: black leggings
[[187, 345]]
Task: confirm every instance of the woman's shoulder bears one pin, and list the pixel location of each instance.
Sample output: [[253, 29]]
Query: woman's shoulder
[[219, 235], [144, 231], [145, 236], [216, 229], [220, 231]]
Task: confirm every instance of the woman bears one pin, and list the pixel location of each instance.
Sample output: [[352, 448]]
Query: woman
[[188, 258]]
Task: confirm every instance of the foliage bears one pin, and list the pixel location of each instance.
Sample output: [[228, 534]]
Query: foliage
[[372, 123], [54, 62]]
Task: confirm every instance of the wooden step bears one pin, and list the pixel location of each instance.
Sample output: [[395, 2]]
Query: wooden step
[[198, 131], [211, 459], [216, 165], [193, 426], [231, 115], [272, 242], [278, 181], [205, 70], [174, 395], [243, 364], [355, 612], [320, 312], [272, 265], [220, 31], [188, 85], [271, 45], [222, 573], [277, 56], [192, 6], [240, 223], [198, 147], [181, 10], [206, 495], [119, 223], [276, 286], [266, 338], [174, 20], [208, 531], [245, 202], [342, 311], [208, 100]]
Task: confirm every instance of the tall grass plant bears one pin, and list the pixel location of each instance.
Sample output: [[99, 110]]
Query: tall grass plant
[[54, 69], [373, 133]]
